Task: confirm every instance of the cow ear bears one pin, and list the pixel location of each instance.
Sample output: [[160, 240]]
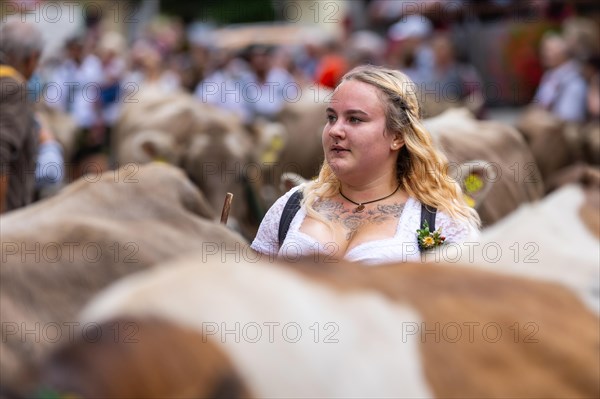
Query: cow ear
[[149, 149], [476, 179], [154, 146], [270, 140], [290, 180]]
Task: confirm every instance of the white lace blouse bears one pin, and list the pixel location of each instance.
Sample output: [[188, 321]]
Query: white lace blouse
[[401, 247]]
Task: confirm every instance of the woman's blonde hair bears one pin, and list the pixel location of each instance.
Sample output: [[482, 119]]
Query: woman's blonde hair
[[422, 171]]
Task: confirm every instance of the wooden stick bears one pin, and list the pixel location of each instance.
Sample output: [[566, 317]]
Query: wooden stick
[[226, 208]]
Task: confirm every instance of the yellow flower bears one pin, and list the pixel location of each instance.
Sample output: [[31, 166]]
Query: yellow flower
[[428, 242]]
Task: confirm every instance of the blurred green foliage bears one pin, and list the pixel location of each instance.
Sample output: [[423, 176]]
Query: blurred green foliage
[[220, 11]]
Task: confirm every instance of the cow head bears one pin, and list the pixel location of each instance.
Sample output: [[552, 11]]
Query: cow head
[[476, 179], [546, 137], [148, 146], [502, 152], [210, 144]]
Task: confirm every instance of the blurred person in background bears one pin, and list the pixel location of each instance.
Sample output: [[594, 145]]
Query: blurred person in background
[[283, 58], [20, 49], [110, 52], [409, 48], [332, 65], [191, 65], [458, 84], [197, 61], [309, 56], [79, 77], [251, 85], [440, 12], [147, 68], [593, 95], [365, 47], [222, 86], [589, 134], [581, 35], [563, 90], [50, 165], [265, 86]]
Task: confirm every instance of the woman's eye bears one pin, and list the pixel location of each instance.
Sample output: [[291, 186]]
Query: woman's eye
[[354, 120], [331, 118]]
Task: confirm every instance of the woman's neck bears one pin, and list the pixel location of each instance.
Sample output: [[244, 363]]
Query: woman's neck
[[370, 191]]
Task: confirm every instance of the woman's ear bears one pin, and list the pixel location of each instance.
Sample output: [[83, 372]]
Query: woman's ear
[[397, 142]]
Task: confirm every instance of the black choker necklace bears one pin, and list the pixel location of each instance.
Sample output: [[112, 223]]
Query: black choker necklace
[[361, 205]]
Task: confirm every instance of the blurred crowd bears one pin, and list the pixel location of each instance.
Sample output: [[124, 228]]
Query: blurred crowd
[[176, 56], [99, 70]]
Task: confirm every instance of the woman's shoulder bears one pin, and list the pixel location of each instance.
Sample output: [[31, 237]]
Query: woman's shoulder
[[267, 236], [285, 197], [277, 207], [456, 229]]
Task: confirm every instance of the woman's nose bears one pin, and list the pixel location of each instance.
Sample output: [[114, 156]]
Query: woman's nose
[[336, 131]]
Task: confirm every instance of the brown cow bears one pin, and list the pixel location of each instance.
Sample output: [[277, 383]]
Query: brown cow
[[508, 164], [326, 329], [304, 121], [142, 345], [544, 134], [556, 144], [58, 253], [555, 240], [220, 154], [291, 144], [586, 175], [210, 144]]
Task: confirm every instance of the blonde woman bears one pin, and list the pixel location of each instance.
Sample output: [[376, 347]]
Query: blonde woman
[[383, 188]]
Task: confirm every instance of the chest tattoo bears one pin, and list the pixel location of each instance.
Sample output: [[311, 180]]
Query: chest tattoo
[[352, 222]]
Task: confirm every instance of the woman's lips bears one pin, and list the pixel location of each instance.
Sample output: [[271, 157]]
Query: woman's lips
[[338, 149]]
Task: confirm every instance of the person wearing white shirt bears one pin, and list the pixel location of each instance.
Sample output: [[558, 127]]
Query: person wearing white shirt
[[562, 90], [382, 186], [251, 90]]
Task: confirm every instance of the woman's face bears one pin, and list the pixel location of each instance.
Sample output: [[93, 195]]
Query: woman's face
[[355, 141]]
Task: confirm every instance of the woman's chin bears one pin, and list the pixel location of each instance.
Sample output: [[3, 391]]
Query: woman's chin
[[340, 169], [335, 165]]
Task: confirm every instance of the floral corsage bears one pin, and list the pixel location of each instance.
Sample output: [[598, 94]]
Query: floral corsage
[[428, 239]]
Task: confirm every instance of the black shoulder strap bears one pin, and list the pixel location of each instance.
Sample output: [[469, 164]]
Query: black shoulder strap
[[428, 214], [289, 211]]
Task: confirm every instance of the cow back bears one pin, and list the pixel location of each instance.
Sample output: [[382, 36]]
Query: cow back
[[400, 330], [59, 252]]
